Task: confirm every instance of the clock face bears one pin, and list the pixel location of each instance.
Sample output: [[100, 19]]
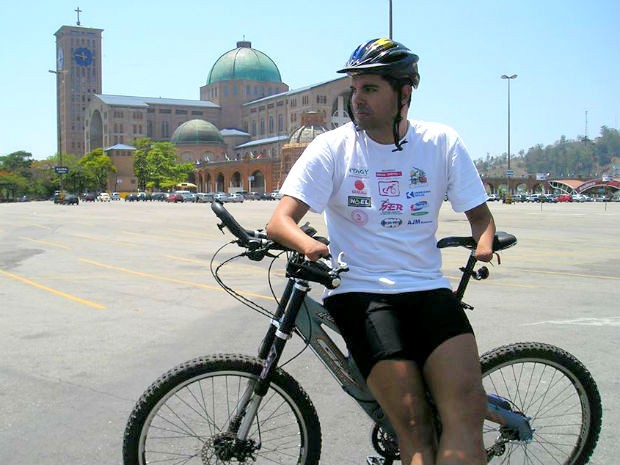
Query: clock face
[[83, 56], [60, 59]]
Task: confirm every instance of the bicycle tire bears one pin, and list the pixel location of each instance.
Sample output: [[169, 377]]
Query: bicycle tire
[[556, 390], [180, 414]]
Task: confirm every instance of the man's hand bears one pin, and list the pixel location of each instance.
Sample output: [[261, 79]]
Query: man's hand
[[315, 250]]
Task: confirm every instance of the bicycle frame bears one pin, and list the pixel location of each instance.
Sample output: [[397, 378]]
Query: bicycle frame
[[309, 324]]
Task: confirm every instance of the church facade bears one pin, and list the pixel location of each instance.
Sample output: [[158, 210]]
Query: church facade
[[235, 133]]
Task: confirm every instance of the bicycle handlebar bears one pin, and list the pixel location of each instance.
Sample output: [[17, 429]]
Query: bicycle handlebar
[[244, 235], [258, 247]]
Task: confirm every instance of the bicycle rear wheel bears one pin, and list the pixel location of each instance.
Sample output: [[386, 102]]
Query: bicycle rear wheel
[[187, 415], [556, 391]]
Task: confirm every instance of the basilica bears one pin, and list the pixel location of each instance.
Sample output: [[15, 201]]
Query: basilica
[[243, 134]]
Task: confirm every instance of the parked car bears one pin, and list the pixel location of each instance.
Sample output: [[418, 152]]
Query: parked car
[[131, 198], [143, 196], [115, 196], [71, 199], [89, 197], [175, 198], [159, 196], [519, 198], [220, 196], [493, 198], [103, 197], [580, 198], [236, 197], [564, 198], [276, 195], [188, 197], [204, 197]]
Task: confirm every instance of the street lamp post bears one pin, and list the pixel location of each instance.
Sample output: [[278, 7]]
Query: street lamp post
[[508, 172], [60, 76], [390, 20]]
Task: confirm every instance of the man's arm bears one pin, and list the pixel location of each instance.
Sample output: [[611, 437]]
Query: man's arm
[[482, 230], [283, 228]]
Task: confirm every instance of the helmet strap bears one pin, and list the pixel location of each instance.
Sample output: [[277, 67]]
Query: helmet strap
[[397, 120]]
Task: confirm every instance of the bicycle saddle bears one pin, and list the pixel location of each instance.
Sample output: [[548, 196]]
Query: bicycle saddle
[[502, 241]]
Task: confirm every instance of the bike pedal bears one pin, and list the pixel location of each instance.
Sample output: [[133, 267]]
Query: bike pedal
[[373, 460]]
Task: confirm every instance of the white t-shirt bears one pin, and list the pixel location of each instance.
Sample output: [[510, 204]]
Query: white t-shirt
[[381, 207]]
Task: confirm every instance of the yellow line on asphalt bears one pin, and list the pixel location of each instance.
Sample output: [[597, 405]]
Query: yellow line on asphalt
[[576, 275], [53, 291], [104, 239], [236, 267], [196, 234], [172, 280], [53, 244], [495, 283]]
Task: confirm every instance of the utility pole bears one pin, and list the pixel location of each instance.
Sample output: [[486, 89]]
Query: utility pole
[[390, 26]]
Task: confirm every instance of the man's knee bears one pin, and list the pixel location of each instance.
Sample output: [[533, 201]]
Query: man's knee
[[467, 406]]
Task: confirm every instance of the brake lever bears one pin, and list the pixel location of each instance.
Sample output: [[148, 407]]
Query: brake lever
[[342, 266]]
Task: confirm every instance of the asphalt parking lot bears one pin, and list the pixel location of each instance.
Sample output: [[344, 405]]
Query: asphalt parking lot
[[99, 299]]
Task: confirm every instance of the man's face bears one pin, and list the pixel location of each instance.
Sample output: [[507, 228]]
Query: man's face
[[374, 103]]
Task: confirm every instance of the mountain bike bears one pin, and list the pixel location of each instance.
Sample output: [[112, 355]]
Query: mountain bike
[[543, 405]]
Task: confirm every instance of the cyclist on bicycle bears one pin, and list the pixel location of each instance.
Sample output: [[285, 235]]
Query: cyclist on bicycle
[[380, 181]]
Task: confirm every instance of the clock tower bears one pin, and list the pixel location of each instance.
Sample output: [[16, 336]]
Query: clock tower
[[78, 78]]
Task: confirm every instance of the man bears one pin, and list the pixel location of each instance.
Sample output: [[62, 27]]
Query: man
[[380, 181]]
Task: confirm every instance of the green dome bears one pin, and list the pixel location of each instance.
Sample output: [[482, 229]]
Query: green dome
[[244, 63], [196, 132]]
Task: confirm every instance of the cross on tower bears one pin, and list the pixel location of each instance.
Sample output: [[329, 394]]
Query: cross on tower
[[78, 11], [340, 116]]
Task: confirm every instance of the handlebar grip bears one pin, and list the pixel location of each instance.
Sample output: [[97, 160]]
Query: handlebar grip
[[228, 220]]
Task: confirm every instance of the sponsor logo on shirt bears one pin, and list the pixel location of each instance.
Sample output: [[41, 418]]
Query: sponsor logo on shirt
[[414, 194], [355, 201], [390, 208], [358, 172], [388, 174], [417, 177], [419, 208], [415, 221], [359, 217], [389, 188], [360, 187], [391, 222]]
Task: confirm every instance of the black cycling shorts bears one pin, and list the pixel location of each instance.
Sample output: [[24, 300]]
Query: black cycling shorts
[[407, 326]]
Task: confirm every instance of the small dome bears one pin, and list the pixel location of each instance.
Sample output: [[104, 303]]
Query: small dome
[[311, 126], [196, 132], [244, 63]]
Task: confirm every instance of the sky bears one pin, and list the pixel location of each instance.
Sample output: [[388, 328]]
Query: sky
[[566, 54]]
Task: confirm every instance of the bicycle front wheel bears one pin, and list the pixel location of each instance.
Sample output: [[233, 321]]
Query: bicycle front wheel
[[556, 391], [190, 415]]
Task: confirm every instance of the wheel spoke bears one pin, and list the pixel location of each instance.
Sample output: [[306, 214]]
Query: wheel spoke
[[190, 421], [552, 389]]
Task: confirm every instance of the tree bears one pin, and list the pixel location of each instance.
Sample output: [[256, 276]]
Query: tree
[[12, 185], [95, 166], [156, 165], [15, 175], [17, 162], [140, 168]]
